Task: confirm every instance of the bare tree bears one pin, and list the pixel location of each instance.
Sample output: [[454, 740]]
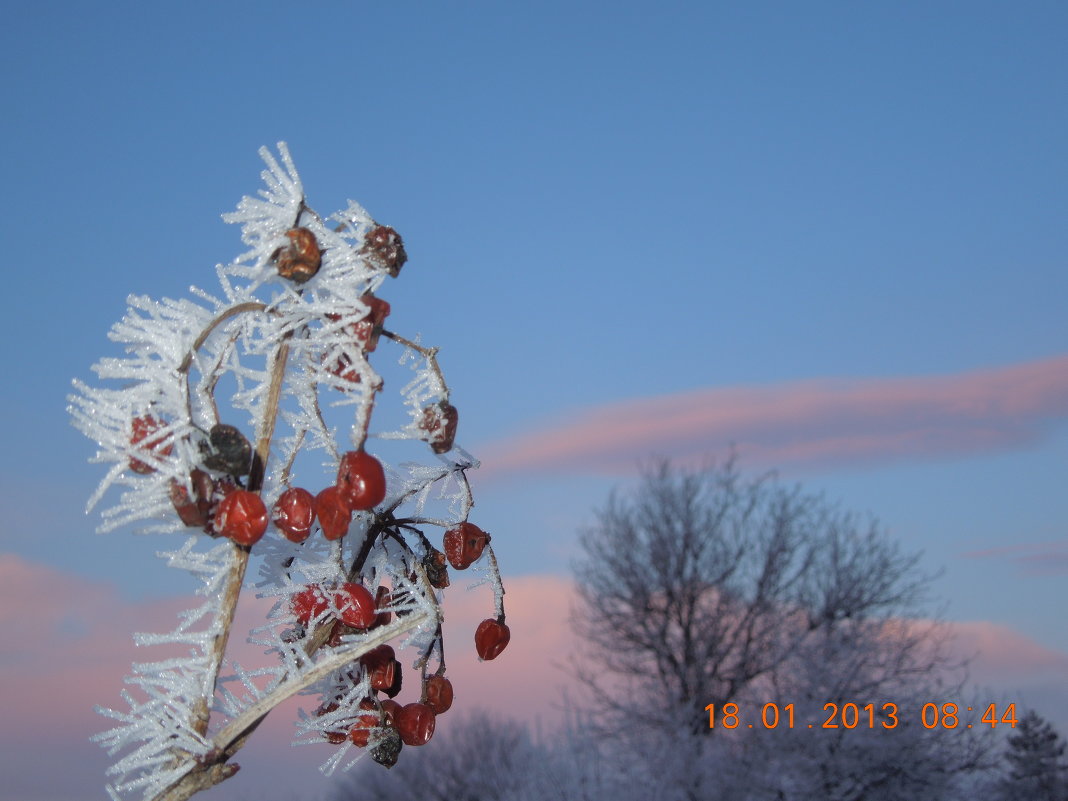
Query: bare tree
[[703, 594]]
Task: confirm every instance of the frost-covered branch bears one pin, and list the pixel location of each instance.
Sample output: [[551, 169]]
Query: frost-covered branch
[[216, 406]]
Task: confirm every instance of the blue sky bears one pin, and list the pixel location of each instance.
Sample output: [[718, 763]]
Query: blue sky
[[602, 203]]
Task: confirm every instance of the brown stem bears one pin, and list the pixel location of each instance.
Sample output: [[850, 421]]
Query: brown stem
[[430, 354]]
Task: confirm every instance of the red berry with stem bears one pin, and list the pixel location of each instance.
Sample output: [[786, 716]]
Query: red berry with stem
[[294, 513], [491, 637], [415, 723], [361, 480], [355, 605], [334, 513], [141, 433], [242, 517], [438, 692], [464, 544], [308, 604]]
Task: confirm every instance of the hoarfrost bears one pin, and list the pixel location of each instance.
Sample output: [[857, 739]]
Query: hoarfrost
[[278, 360]]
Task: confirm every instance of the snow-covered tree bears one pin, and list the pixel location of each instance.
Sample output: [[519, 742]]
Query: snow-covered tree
[[218, 404], [1037, 768]]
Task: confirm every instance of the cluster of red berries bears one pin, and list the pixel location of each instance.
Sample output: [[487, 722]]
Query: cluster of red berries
[[215, 499], [382, 720]]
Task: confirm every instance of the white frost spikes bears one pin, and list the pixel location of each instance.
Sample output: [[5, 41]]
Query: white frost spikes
[[273, 360]]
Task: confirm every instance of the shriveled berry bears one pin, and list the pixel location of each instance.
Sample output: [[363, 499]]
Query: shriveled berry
[[294, 513], [141, 434], [415, 723], [308, 604], [230, 452], [380, 663], [436, 571], [364, 331], [196, 510], [361, 480], [382, 600], [333, 512], [242, 517], [389, 746], [301, 258], [438, 425], [384, 249], [355, 605], [464, 544], [491, 637], [438, 691]]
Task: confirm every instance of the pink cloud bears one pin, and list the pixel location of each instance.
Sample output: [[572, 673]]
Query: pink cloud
[[1033, 559], [68, 646], [830, 421]]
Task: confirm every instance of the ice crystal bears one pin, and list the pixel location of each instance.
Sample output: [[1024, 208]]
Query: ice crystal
[[276, 357]]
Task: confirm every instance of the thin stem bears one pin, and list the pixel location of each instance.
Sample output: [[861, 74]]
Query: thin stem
[[430, 354]]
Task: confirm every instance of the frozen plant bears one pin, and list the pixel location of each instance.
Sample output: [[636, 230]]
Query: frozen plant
[[205, 422]]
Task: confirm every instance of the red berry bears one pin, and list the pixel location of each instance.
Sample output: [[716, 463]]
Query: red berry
[[332, 735], [464, 544], [415, 723], [334, 513], [308, 604], [439, 424], [294, 513], [361, 480], [366, 723], [438, 694], [491, 637], [141, 429], [365, 332], [390, 708], [355, 605], [242, 517], [381, 663]]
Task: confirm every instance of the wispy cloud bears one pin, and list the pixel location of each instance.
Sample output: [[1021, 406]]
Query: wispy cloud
[[1033, 559], [816, 422]]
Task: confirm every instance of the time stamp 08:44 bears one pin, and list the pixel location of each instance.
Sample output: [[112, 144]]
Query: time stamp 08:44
[[860, 716]]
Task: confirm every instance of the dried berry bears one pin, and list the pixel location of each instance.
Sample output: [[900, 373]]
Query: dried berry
[[301, 258], [364, 330], [491, 637], [436, 571], [382, 600], [366, 724], [464, 544], [333, 512], [230, 451], [388, 748], [415, 723], [439, 426], [438, 692], [196, 510], [294, 513], [141, 433], [393, 690], [361, 480], [384, 249]]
